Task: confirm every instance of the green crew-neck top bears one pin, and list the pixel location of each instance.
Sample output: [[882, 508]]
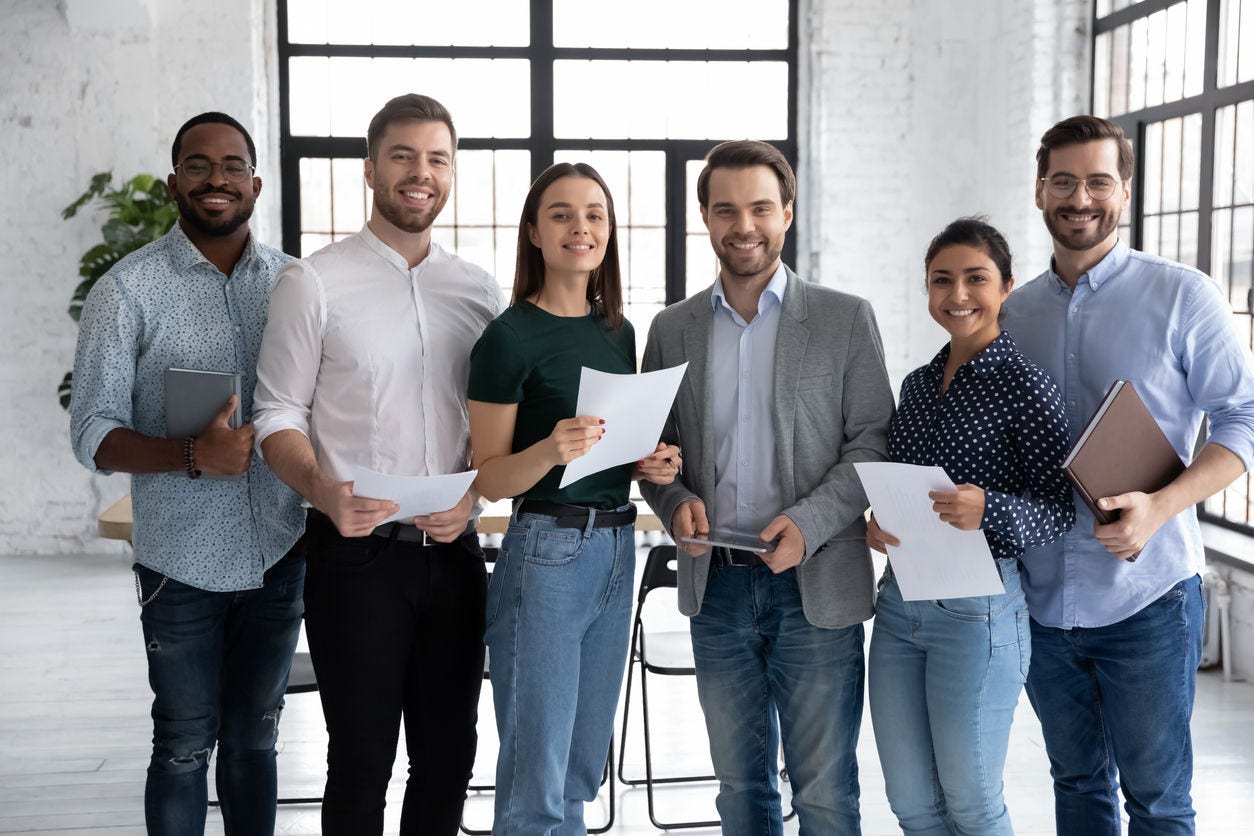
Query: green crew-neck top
[[533, 358]]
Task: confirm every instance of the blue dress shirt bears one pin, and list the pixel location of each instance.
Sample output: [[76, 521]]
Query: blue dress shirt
[[165, 306], [747, 492], [1166, 328], [999, 426]]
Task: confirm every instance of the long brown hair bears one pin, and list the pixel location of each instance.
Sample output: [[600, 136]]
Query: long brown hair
[[605, 286]]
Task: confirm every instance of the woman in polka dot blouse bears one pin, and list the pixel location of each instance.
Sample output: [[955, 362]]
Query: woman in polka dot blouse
[[945, 675]]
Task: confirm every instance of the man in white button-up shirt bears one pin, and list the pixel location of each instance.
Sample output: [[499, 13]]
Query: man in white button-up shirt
[[364, 363]]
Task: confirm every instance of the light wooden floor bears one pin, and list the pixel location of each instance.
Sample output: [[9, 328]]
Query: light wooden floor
[[74, 728]]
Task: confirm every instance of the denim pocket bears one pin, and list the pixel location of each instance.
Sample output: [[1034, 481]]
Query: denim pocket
[[554, 546], [964, 609]]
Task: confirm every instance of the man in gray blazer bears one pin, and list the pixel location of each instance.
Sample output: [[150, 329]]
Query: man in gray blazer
[[786, 388]]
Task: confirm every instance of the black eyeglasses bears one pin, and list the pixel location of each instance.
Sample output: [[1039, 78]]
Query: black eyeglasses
[[1099, 187], [235, 171]]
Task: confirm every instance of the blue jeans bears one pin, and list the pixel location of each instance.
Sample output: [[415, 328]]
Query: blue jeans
[[1114, 704], [218, 665], [758, 658], [559, 611], [945, 677]]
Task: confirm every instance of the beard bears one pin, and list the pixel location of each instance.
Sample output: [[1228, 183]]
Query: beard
[[1077, 240], [405, 218], [218, 227], [770, 254]]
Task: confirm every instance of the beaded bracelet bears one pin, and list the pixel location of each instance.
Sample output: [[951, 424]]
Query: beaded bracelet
[[189, 458]]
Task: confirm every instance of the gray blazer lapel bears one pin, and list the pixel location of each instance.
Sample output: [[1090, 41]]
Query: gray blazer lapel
[[697, 351], [790, 352]]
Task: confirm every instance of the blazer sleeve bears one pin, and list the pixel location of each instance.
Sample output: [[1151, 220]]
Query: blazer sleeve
[[664, 499]]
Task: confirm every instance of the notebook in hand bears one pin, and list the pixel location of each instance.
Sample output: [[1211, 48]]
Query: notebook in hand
[[1121, 449], [193, 397]]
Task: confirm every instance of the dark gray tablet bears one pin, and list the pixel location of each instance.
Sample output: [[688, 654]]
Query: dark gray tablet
[[732, 540], [193, 397]]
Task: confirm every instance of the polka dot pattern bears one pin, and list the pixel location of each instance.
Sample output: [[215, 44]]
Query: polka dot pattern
[[1000, 425]]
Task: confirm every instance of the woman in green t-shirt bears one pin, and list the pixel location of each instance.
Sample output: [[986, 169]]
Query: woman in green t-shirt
[[559, 602]]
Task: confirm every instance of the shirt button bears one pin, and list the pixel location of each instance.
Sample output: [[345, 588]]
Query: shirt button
[[1071, 355], [237, 329], [1075, 310]]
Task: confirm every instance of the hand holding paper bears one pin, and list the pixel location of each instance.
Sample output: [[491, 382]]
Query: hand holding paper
[[416, 495], [934, 559], [634, 408]]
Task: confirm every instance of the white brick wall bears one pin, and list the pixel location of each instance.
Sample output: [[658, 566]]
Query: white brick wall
[[88, 86], [920, 112], [916, 112]]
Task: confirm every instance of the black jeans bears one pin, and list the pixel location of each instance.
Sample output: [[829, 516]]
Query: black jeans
[[395, 630]]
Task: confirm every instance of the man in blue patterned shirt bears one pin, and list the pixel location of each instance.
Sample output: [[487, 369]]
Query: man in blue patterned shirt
[[1115, 643], [217, 575]]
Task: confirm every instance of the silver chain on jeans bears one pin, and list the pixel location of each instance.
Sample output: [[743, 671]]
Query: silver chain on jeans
[[139, 594]]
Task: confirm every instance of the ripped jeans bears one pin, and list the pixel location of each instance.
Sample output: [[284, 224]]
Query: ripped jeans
[[218, 664]]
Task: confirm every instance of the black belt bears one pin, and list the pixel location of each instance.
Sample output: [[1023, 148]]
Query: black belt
[[736, 557], [399, 531], [575, 516]]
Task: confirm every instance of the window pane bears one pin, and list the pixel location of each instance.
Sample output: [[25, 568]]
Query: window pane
[[1171, 166], [701, 264], [349, 196], [665, 24], [1188, 239], [315, 186], [1236, 42], [670, 99], [1153, 166], [1195, 48], [488, 98], [1101, 74], [465, 23], [1191, 162], [1155, 58]]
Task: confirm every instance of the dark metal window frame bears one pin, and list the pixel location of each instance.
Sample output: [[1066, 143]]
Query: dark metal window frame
[[1206, 104], [542, 53]]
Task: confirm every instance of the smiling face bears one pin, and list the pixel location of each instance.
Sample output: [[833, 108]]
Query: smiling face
[[214, 207], [747, 222], [572, 226], [1078, 222], [412, 174], [964, 293]]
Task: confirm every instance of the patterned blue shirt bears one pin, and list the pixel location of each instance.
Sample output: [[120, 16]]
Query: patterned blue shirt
[[165, 306], [1000, 426], [1168, 329]]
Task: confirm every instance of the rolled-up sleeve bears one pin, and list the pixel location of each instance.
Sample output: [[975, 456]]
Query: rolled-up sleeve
[[291, 351], [1218, 370], [104, 369]]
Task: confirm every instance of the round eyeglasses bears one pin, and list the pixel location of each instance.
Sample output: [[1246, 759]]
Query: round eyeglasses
[[235, 171], [1099, 187]]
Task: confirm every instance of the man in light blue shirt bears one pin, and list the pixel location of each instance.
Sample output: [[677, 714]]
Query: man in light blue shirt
[[1117, 609], [218, 579], [785, 389]]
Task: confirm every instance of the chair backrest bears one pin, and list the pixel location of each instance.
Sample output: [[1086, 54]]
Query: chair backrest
[[659, 570]]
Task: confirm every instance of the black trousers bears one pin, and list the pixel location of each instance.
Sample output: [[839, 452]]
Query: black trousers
[[395, 631]]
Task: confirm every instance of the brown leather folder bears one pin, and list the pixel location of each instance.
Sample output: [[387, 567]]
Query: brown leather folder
[[1122, 449]]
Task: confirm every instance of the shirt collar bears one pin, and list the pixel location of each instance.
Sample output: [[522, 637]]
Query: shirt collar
[[434, 255], [993, 357], [776, 287], [1102, 271], [186, 254]]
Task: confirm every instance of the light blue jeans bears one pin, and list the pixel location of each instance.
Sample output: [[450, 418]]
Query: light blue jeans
[[945, 677], [1114, 704], [559, 611], [758, 657]]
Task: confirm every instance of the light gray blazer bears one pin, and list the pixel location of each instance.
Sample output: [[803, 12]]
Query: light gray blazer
[[833, 403]]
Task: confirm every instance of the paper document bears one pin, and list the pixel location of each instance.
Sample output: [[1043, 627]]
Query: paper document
[[934, 560], [634, 408], [415, 494]]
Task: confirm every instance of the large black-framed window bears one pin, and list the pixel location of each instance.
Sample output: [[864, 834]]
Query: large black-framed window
[[641, 91], [1178, 77]]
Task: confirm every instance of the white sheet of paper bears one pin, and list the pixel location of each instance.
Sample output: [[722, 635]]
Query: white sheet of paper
[[415, 494], [934, 560], [634, 408]]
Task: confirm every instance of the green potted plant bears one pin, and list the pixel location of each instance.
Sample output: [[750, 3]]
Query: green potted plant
[[138, 212]]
